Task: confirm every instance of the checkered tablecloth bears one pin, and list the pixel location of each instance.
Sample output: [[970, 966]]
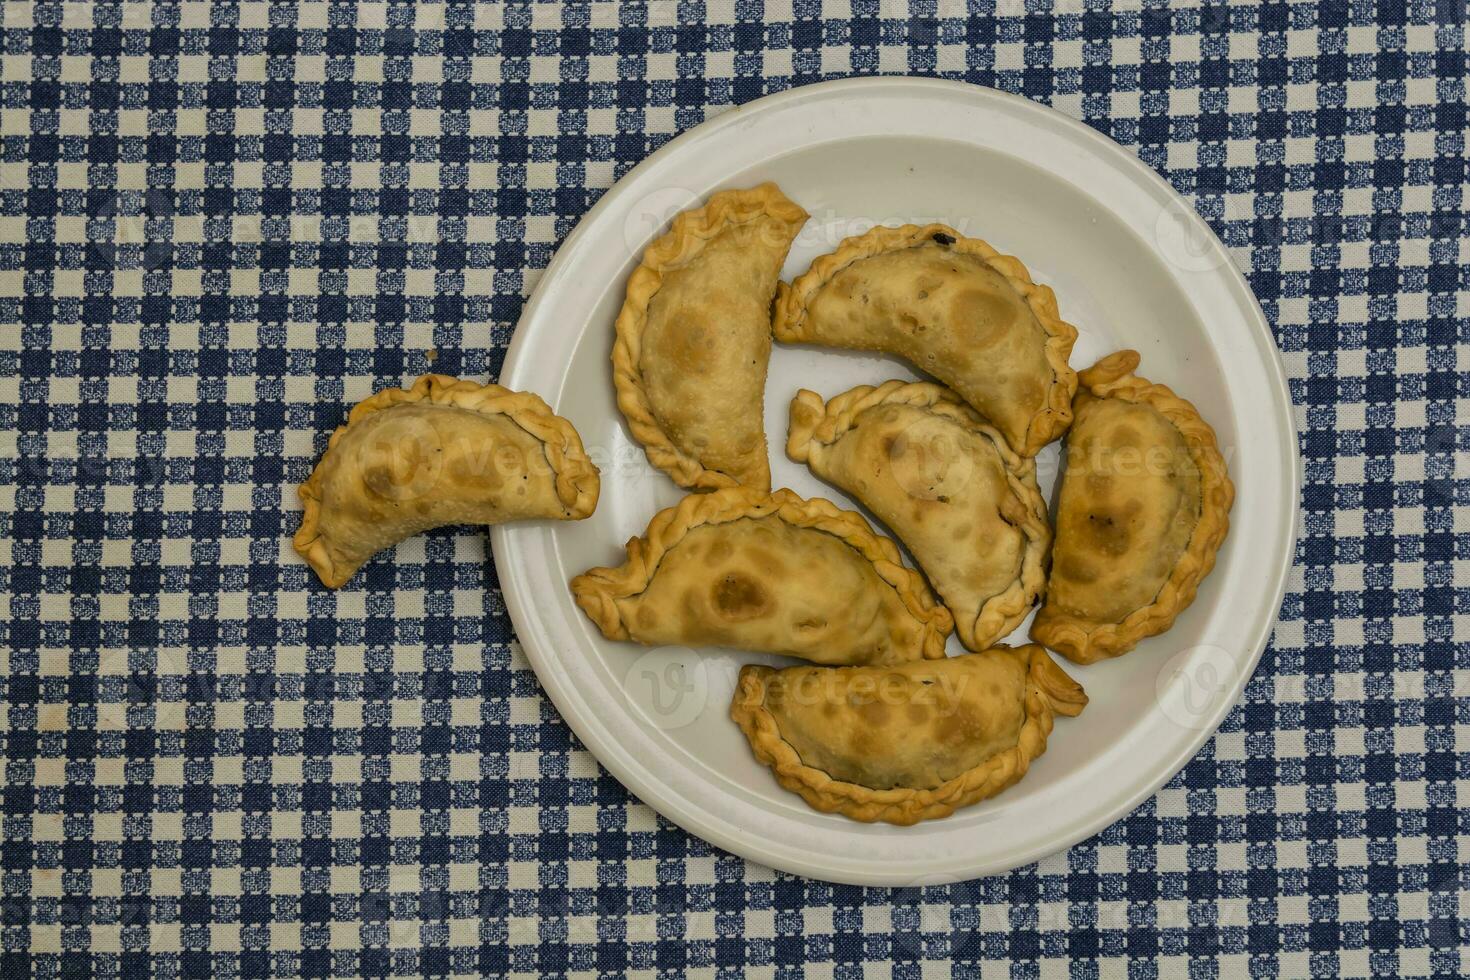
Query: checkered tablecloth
[[222, 222]]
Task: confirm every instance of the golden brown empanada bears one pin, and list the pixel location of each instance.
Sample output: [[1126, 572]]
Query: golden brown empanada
[[767, 572], [694, 338], [947, 484], [909, 742], [951, 306], [445, 451], [1145, 503]]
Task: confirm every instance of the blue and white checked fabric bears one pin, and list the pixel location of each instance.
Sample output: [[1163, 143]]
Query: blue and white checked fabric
[[223, 222]]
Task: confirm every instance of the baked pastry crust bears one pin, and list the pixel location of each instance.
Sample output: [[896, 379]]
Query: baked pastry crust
[[933, 736], [444, 451], [974, 336], [1203, 481], [945, 482], [694, 338], [767, 572]]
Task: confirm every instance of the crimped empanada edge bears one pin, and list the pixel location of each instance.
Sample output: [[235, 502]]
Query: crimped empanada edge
[[685, 239], [1049, 691], [1083, 641], [577, 480], [598, 589], [814, 423], [1055, 413]]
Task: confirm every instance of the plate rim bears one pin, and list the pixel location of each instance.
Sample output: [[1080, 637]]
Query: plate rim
[[674, 808]]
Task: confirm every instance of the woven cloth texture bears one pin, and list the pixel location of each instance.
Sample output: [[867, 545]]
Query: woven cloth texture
[[222, 223]]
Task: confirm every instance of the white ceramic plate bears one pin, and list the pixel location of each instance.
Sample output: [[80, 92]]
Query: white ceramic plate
[[1132, 265]]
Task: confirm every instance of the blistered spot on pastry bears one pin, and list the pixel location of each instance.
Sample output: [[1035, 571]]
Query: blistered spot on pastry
[[691, 342], [1027, 390], [719, 550], [918, 714], [380, 479], [737, 596], [988, 315], [690, 615], [1126, 437], [845, 285], [1107, 531], [1072, 567], [646, 618], [957, 722], [465, 460], [861, 742], [874, 713]]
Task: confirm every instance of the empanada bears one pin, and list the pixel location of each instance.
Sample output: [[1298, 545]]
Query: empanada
[[767, 572], [947, 484], [694, 338], [951, 306], [1145, 503], [909, 742], [445, 451]]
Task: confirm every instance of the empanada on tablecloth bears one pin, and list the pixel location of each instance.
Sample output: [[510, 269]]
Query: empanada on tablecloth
[[951, 306], [909, 742], [946, 484], [767, 572], [445, 451], [694, 338], [1145, 504]]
